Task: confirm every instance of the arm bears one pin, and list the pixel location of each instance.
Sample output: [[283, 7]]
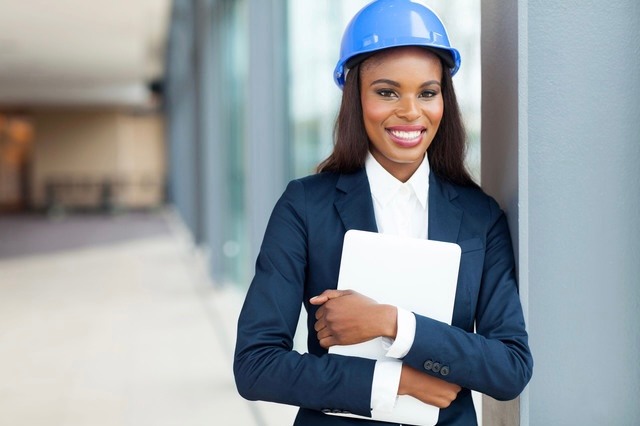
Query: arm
[[348, 317], [496, 360], [265, 366]]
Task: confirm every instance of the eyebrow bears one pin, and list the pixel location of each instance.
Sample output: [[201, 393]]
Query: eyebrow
[[396, 84]]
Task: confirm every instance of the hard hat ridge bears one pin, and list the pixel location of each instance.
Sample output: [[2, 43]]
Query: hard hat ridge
[[383, 24]]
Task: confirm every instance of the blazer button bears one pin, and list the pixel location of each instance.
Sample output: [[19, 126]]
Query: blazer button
[[326, 410], [444, 370], [436, 367], [428, 365]]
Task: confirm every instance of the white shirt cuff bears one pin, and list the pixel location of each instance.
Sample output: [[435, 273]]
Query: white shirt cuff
[[384, 389], [399, 347]]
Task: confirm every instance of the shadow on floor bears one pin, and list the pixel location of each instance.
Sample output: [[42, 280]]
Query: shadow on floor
[[31, 234]]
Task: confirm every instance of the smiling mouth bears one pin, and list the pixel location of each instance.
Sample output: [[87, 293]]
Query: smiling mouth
[[406, 138]]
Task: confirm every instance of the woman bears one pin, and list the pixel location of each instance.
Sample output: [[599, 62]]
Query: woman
[[397, 167]]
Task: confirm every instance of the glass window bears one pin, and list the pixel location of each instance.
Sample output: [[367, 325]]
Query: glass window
[[233, 76], [314, 32]]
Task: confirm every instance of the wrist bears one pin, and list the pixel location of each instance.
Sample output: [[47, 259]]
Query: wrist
[[389, 321], [404, 387]]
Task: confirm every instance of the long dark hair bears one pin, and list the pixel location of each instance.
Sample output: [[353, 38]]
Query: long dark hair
[[351, 143]]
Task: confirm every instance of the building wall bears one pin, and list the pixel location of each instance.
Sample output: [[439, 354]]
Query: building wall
[[141, 159], [584, 228], [574, 211], [84, 148]]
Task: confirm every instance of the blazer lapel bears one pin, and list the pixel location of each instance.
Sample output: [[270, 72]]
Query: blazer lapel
[[444, 216], [353, 202], [355, 206]]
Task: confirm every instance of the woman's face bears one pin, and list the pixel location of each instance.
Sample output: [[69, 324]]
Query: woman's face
[[402, 105]]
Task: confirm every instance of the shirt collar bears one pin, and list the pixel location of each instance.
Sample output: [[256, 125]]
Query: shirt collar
[[384, 185]]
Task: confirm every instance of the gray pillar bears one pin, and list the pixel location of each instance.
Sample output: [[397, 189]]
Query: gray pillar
[[501, 127], [214, 155], [578, 196], [267, 114], [181, 114]]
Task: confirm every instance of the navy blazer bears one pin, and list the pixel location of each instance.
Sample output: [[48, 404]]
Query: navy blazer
[[300, 258]]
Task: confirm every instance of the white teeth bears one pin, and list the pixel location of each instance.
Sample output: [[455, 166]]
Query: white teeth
[[406, 135]]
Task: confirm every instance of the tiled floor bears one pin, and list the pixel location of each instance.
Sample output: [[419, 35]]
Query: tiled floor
[[122, 331]]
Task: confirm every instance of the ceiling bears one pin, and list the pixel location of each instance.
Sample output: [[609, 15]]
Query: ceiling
[[80, 52]]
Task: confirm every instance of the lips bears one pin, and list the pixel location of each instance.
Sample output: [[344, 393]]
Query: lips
[[406, 136]]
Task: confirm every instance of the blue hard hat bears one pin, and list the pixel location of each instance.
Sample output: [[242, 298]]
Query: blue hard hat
[[392, 23]]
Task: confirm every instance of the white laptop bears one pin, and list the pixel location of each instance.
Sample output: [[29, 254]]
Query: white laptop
[[416, 274]]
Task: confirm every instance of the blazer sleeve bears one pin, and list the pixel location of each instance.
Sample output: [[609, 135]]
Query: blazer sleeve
[[495, 360], [265, 365]]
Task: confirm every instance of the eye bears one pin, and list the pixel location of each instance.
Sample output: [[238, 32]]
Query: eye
[[386, 93], [429, 93]]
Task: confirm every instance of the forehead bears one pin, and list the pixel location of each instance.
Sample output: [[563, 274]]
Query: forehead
[[401, 59]]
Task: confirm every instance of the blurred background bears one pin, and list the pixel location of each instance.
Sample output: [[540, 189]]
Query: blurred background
[[206, 106], [143, 145]]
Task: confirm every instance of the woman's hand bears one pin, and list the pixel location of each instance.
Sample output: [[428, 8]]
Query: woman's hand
[[426, 388], [346, 317]]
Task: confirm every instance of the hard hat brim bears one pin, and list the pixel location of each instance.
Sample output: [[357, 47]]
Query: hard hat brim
[[445, 55]]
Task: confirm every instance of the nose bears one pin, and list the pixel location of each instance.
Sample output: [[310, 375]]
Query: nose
[[408, 109]]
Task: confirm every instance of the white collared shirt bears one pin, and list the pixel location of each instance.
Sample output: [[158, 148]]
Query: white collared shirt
[[400, 209]]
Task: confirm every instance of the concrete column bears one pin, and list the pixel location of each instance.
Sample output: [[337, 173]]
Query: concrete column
[[574, 210], [501, 126]]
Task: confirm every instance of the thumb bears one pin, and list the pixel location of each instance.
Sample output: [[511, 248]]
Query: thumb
[[327, 295]]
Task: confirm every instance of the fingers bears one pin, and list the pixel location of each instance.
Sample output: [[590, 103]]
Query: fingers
[[331, 331], [320, 312], [323, 334], [447, 396], [327, 342]]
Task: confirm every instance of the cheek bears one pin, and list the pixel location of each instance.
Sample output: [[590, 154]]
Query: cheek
[[374, 113], [374, 119], [434, 112]]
